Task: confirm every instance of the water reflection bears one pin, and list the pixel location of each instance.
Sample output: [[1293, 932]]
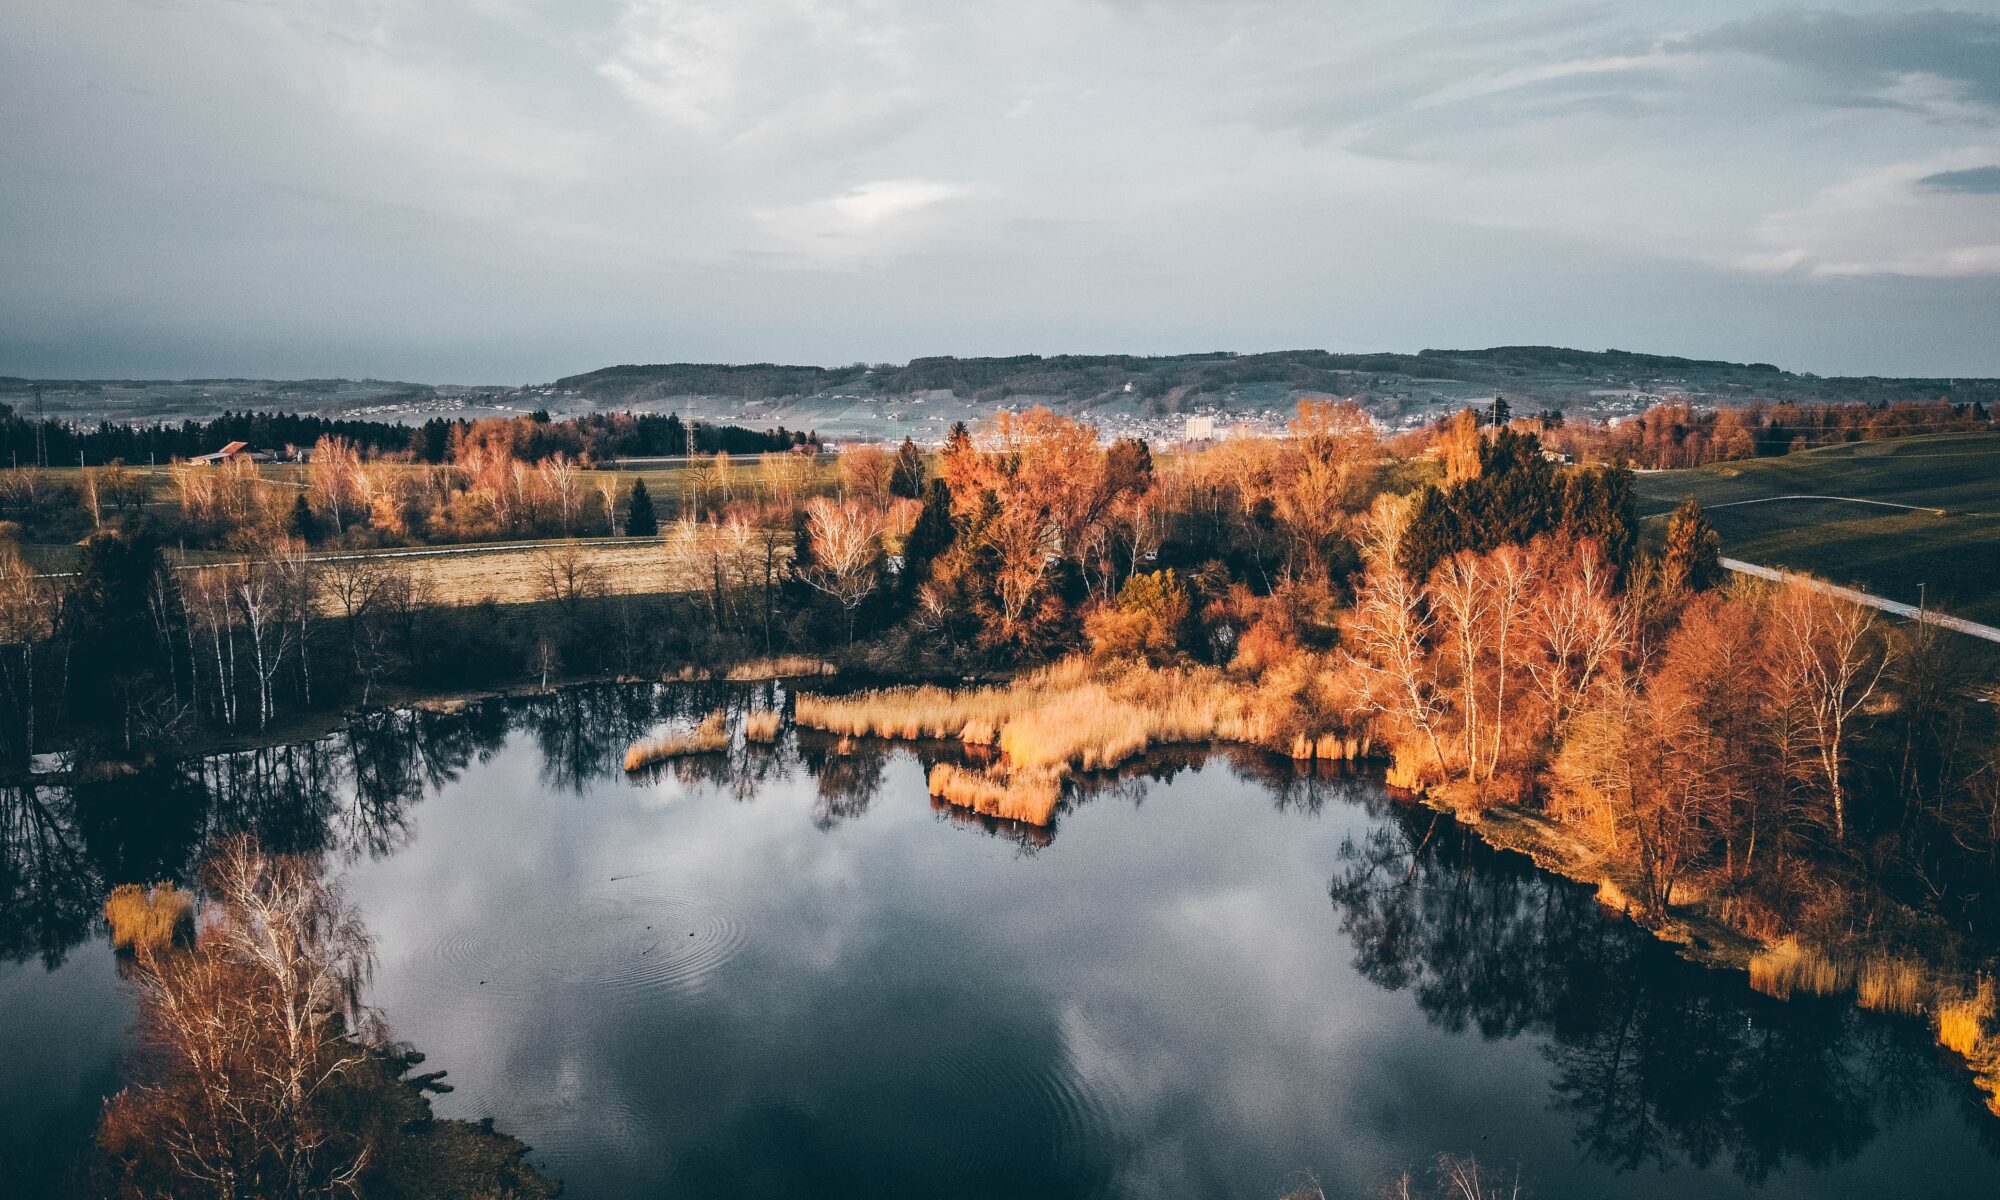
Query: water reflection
[[1657, 1062], [842, 984], [48, 893]]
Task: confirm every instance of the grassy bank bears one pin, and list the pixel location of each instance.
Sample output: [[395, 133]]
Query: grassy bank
[[1959, 1008]]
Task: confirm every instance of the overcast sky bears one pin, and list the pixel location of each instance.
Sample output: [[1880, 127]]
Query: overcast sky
[[512, 190]]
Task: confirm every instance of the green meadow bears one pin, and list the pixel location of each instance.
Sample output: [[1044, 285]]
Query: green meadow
[[1945, 552]]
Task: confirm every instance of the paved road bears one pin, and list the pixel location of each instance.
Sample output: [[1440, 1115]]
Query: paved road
[[1927, 616], [1841, 499]]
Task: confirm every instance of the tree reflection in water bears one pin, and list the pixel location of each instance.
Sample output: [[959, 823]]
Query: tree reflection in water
[[1653, 1060], [64, 845], [1658, 1061]]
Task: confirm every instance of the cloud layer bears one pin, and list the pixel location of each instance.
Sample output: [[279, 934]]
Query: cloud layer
[[513, 189]]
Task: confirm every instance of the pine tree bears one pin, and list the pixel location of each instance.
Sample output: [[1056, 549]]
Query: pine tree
[[931, 536], [640, 519], [1691, 559], [302, 524]]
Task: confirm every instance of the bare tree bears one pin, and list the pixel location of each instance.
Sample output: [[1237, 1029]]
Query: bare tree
[[846, 551], [1464, 598], [1577, 634], [27, 619], [567, 577], [568, 488], [1829, 653], [865, 474], [243, 1040], [261, 598], [1392, 627], [334, 480]]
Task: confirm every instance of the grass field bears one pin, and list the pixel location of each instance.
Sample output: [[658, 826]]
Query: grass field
[[505, 572], [1780, 512]]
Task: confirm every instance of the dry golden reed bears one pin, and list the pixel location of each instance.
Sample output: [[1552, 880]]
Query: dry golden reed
[[1070, 714], [1966, 1027], [762, 725], [1961, 1022], [140, 920], [709, 736], [1076, 714], [1021, 796], [783, 666], [1894, 985], [1788, 967], [1611, 896]]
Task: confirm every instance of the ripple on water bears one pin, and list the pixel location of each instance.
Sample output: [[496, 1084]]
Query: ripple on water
[[1043, 1100], [620, 944]]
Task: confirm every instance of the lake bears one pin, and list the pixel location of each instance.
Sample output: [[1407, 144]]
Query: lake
[[784, 971]]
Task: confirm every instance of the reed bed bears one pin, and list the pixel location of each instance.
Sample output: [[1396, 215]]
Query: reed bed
[[1894, 985], [1020, 796], [783, 666], [1332, 747], [976, 715], [143, 919], [1961, 1023], [1789, 967], [1966, 1027], [1061, 716], [1072, 715], [711, 735], [762, 725], [1611, 896]]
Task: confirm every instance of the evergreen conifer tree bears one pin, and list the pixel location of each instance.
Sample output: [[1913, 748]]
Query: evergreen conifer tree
[[1691, 560], [640, 519], [301, 524]]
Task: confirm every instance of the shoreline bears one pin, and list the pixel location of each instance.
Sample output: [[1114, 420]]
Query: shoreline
[[1695, 937]]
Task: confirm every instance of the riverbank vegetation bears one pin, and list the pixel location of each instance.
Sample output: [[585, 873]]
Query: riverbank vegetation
[[709, 735]]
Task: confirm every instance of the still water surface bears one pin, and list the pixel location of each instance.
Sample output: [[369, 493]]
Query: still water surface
[[782, 972]]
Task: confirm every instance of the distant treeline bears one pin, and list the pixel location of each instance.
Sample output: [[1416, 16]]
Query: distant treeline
[[1081, 377], [26, 442], [1677, 434], [602, 436]]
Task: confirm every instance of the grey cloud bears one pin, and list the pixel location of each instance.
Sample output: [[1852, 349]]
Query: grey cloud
[[462, 191], [1980, 181], [1876, 48]]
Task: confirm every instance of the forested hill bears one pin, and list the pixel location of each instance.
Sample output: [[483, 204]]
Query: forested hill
[[1549, 373], [1127, 393]]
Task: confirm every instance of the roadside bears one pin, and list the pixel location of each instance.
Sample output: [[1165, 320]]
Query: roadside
[[1927, 616]]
